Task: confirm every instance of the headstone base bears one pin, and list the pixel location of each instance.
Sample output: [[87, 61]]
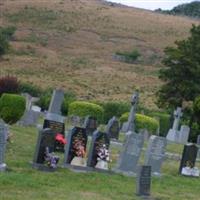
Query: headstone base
[[42, 167], [3, 167], [125, 173]]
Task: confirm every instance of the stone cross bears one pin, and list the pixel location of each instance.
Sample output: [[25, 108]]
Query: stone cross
[[56, 102], [177, 115], [131, 118]]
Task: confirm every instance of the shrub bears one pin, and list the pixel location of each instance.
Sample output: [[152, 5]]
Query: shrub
[[113, 109], [45, 99], [82, 109], [129, 56], [30, 89], [9, 84], [164, 120], [12, 107], [68, 98], [5, 35], [142, 122]]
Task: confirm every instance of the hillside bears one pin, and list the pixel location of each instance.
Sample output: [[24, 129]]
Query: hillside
[[71, 43], [188, 9]]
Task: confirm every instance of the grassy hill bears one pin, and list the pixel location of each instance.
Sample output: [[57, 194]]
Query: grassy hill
[[71, 43]]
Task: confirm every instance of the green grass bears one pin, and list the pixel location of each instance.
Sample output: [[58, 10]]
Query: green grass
[[23, 182]]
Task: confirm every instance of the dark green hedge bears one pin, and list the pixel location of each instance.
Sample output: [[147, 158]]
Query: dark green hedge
[[12, 107], [142, 122], [83, 109]]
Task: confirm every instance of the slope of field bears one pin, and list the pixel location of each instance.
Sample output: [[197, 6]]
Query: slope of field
[[70, 44]]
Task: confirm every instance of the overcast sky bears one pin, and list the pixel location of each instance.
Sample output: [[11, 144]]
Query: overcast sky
[[153, 4]]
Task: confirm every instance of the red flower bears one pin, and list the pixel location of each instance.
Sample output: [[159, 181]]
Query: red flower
[[60, 138]]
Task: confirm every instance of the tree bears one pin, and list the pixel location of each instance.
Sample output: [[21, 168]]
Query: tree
[[181, 74]]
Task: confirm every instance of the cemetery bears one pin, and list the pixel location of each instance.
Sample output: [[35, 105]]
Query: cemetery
[[98, 101], [60, 153]]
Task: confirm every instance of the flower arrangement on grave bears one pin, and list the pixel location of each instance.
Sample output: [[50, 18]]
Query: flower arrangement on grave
[[51, 159], [103, 157], [79, 148], [60, 138], [79, 151], [190, 170]]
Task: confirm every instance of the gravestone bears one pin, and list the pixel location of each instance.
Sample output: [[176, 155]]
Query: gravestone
[[124, 127], [90, 124], [112, 128], [98, 152], [187, 165], [174, 134], [143, 180], [45, 145], [198, 140], [30, 118], [131, 119], [56, 102], [75, 121], [198, 144], [130, 154], [155, 153], [56, 123], [2, 146], [75, 150]]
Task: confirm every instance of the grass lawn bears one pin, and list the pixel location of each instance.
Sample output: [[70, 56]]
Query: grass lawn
[[22, 182]]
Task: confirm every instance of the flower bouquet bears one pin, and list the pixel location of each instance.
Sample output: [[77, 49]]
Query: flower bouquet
[[103, 157], [80, 153], [51, 159]]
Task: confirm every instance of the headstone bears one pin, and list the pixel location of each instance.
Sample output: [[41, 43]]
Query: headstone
[[187, 165], [56, 123], [124, 127], [143, 180], [2, 146], [198, 140], [30, 118], [155, 153], [131, 118], [174, 135], [56, 102], [90, 124], [98, 156], [44, 147], [75, 150], [130, 154], [75, 121], [112, 128]]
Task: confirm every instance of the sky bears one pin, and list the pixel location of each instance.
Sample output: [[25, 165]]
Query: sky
[[152, 4]]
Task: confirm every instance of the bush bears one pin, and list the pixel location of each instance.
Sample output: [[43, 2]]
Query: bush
[[45, 99], [129, 56], [164, 120], [83, 109], [142, 122], [30, 89], [9, 84], [5, 35], [12, 107], [114, 109], [68, 98]]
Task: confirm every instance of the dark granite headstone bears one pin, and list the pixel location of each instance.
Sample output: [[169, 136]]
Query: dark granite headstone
[[46, 139], [77, 139], [130, 154], [143, 180], [113, 128], [155, 153], [99, 140], [188, 159], [90, 125], [55, 123]]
